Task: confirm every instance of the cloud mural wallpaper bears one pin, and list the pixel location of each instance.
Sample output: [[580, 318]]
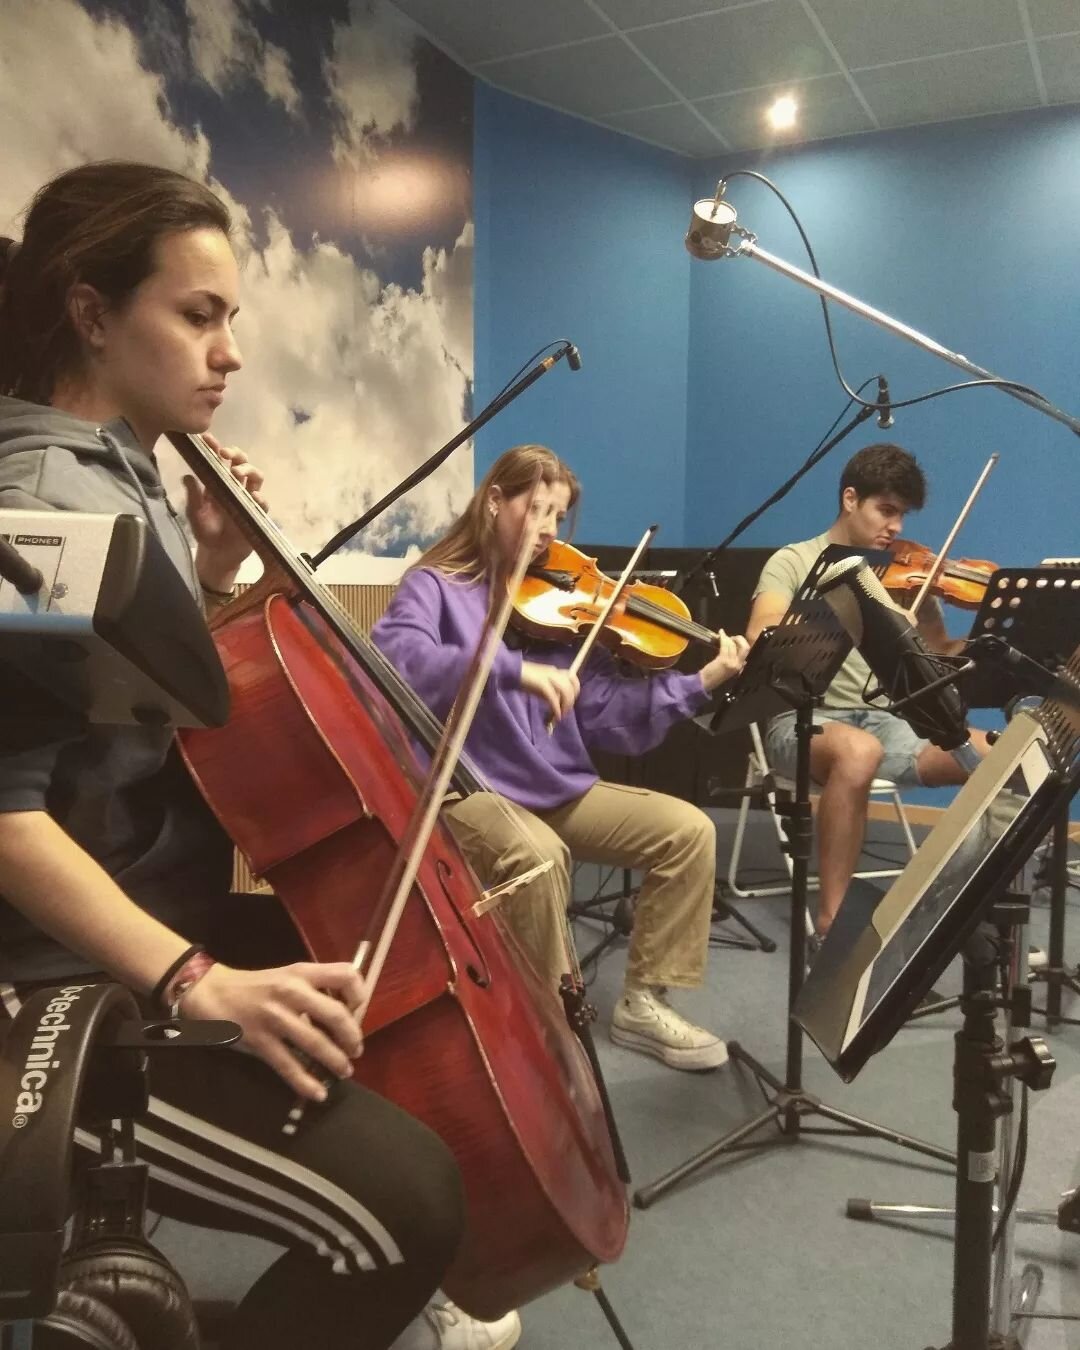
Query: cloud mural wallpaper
[[342, 143]]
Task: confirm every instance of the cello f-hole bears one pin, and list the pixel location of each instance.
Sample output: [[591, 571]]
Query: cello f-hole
[[478, 977]]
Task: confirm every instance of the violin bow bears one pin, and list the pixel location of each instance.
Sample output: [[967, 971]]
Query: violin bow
[[612, 600], [605, 613], [370, 957], [943, 556]]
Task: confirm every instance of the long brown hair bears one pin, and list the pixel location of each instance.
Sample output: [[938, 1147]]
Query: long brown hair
[[467, 550], [98, 223]]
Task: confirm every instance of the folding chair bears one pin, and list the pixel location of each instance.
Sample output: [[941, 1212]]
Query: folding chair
[[759, 775]]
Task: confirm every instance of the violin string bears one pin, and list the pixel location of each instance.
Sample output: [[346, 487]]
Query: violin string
[[664, 618]]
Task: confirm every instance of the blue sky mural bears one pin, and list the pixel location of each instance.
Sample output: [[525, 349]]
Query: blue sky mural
[[342, 142]]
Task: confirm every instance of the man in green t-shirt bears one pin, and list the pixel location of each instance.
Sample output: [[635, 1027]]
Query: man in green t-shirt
[[857, 744]]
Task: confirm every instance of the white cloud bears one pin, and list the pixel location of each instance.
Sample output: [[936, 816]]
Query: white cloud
[[381, 372], [372, 76], [227, 49], [276, 77], [108, 106]]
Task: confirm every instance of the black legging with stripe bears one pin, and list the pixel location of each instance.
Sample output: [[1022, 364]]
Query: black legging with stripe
[[366, 1199]]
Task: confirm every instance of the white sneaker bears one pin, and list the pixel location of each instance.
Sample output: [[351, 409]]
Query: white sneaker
[[644, 1020], [444, 1326]]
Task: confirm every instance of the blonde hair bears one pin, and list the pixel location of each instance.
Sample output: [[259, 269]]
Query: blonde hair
[[467, 550]]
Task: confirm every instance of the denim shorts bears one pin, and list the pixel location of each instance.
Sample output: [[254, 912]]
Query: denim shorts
[[902, 746]]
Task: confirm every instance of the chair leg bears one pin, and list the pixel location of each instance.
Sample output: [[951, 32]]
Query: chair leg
[[741, 821], [901, 816]]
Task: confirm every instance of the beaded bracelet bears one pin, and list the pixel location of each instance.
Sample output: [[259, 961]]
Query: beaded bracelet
[[157, 996]]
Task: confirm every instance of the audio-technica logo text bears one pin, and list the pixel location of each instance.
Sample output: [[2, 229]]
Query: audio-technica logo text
[[41, 1057]]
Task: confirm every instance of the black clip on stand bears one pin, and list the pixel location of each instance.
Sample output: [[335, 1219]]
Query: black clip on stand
[[789, 666]]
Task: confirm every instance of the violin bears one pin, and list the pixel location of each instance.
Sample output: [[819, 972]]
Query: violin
[[563, 595], [960, 581]]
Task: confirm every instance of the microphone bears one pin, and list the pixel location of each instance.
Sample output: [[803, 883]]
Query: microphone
[[573, 357], [885, 419], [902, 663]]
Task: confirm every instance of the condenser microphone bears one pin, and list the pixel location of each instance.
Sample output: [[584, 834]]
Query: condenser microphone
[[885, 419], [573, 357], [902, 663]]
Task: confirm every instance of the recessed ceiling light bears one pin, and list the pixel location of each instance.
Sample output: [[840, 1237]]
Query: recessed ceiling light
[[783, 113]]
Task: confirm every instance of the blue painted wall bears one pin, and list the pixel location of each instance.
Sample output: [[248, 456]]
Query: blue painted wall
[[706, 384], [968, 232], [578, 235]]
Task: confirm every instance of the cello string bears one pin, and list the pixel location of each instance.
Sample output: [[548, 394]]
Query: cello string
[[261, 522]]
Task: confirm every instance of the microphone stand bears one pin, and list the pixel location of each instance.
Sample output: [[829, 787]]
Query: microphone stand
[[430, 464], [709, 238], [706, 561]]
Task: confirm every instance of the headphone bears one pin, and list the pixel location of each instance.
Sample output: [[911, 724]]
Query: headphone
[[76, 1056]]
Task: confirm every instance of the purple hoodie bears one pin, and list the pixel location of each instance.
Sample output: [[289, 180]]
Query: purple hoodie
[[430, 632]]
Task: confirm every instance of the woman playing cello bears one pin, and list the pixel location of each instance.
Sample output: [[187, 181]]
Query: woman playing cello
[[116, 313], [558, 806]]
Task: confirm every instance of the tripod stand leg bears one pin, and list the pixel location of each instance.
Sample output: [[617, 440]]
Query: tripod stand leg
[[874, 1131], [724, 909], [590, 1282], [644, 1196]]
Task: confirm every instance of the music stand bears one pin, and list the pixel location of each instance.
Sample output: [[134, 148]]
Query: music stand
[[864, 983], [1037, 611], [789, 666]]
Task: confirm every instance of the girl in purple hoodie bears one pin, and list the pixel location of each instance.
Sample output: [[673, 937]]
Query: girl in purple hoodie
[[546, 800]]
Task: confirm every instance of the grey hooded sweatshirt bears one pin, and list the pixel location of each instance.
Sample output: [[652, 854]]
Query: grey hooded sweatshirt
[[120, 792]]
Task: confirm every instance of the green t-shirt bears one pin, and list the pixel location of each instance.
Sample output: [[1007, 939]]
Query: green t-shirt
[[783, 574]]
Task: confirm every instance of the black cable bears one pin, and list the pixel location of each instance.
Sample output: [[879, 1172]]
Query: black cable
[[813, 459], [1019, 1162], [558, 342], [852, 395]]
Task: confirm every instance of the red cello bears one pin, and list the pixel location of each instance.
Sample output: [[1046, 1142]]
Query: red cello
[[314, 779]]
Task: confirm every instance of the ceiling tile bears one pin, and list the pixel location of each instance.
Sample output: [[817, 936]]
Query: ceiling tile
[[827, 107], [737, 48], [942, 88], [481, 30], [595, 77], [875, 32], [674, 126], [632, 13], [1060, 61], [1054, 16]]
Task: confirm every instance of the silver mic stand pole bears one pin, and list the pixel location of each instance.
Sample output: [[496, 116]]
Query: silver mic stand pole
[[714, 221]]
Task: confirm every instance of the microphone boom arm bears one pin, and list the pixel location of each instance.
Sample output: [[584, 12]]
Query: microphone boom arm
[[434, 461], [749, 248]]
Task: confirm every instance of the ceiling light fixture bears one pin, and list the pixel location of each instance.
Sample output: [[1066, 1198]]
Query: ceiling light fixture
[[783, 113]]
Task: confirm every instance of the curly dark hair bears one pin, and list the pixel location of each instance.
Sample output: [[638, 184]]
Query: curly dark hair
[[879, 470], [98, 223]]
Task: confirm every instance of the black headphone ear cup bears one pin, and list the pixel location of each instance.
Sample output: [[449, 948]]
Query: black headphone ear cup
[[81, 1322], [134, 1279]]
